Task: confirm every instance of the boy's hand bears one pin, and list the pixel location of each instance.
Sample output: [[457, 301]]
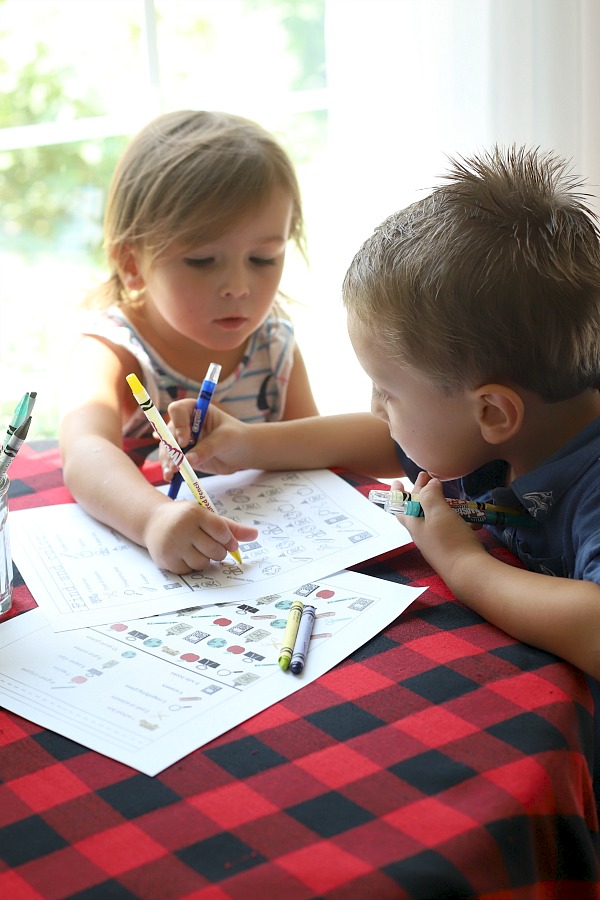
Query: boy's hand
[[181, 413], [223, 445], [445, 540], [182, 536]]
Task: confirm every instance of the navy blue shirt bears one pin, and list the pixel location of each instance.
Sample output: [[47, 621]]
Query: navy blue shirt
[[563, 498]]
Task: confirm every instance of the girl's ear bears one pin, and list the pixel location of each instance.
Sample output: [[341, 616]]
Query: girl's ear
[[500, 412], [128, 265]]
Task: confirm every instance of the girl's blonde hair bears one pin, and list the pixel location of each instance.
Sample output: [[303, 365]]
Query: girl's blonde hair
[[189, 177]]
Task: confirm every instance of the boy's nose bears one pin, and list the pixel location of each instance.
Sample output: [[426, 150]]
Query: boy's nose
[[377, 408]]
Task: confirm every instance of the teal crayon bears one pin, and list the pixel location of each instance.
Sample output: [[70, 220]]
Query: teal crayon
[[18, 417], [472, 511], [302, 644], [289, 635]]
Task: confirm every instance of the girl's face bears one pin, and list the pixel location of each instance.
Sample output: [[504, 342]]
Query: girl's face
[[219, 293], [440, 433]]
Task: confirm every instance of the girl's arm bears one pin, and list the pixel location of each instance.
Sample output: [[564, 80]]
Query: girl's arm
[[180, 536], [559, 615]]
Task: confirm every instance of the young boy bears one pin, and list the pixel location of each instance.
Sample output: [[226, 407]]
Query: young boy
[[476, 314]]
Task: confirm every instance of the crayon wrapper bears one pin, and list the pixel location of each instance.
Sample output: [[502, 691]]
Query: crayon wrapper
[[289, 635], [300, 653]]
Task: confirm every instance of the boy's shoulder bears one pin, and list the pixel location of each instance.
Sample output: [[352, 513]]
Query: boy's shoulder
[[571, 470], [562, 495], [569, 473]]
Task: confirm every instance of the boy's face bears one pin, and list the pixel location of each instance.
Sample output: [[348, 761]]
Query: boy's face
[[439, 433]]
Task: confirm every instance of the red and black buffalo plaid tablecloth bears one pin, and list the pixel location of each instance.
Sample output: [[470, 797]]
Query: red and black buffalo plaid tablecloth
[[441, 760]]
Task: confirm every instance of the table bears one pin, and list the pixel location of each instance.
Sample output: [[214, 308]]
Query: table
[[443, 759]]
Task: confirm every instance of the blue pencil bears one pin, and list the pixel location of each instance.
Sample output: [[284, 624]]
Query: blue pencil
[[202, 403]]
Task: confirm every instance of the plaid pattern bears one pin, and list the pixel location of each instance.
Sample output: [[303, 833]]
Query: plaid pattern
[[441, 760]]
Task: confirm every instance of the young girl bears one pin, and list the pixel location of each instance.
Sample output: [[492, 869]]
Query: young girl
[[198, 217]]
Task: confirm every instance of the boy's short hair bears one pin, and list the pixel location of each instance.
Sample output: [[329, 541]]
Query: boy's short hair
[[494, 277]]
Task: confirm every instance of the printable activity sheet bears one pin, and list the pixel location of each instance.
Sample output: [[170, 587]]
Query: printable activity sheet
[[149, 691], [82, 573]]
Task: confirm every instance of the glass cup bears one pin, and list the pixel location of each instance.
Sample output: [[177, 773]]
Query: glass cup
[[6, 566]]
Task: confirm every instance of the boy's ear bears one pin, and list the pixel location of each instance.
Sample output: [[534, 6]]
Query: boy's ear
[[127, 262], [500, 412]]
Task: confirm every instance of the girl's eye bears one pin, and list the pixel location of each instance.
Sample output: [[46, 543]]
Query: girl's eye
[[260, 261], [198, 262]]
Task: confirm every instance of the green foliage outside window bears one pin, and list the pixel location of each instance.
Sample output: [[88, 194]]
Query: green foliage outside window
[[65, 63]]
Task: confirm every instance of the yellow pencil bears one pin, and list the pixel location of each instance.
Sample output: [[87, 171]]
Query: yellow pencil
[[173, 449]]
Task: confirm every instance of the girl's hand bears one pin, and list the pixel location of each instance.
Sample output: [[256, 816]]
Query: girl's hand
[[445, 540], [183, 536]]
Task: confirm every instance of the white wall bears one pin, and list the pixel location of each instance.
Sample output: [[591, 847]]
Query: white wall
[[412, 81]]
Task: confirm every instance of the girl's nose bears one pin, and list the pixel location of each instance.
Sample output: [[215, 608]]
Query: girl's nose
[[234, 285]]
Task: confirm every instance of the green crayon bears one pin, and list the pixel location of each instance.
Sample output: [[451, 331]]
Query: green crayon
[[289, 635]]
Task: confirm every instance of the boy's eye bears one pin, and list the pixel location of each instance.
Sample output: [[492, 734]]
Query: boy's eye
[[198, 262], [377, 395]]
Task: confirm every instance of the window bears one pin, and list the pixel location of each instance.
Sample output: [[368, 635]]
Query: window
[[368, 97], [78, 79]]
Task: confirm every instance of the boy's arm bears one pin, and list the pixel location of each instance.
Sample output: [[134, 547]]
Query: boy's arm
[[107, 483], [357, 442], [299, 400], [560, 615]]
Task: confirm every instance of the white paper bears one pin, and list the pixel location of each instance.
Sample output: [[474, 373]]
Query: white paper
[[149, 692], [82, 573]]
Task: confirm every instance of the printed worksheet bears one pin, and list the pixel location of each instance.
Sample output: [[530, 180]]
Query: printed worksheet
[[150, 691], [310, 524]]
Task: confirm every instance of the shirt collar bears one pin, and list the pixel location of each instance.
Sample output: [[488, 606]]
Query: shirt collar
[[539, 490]]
